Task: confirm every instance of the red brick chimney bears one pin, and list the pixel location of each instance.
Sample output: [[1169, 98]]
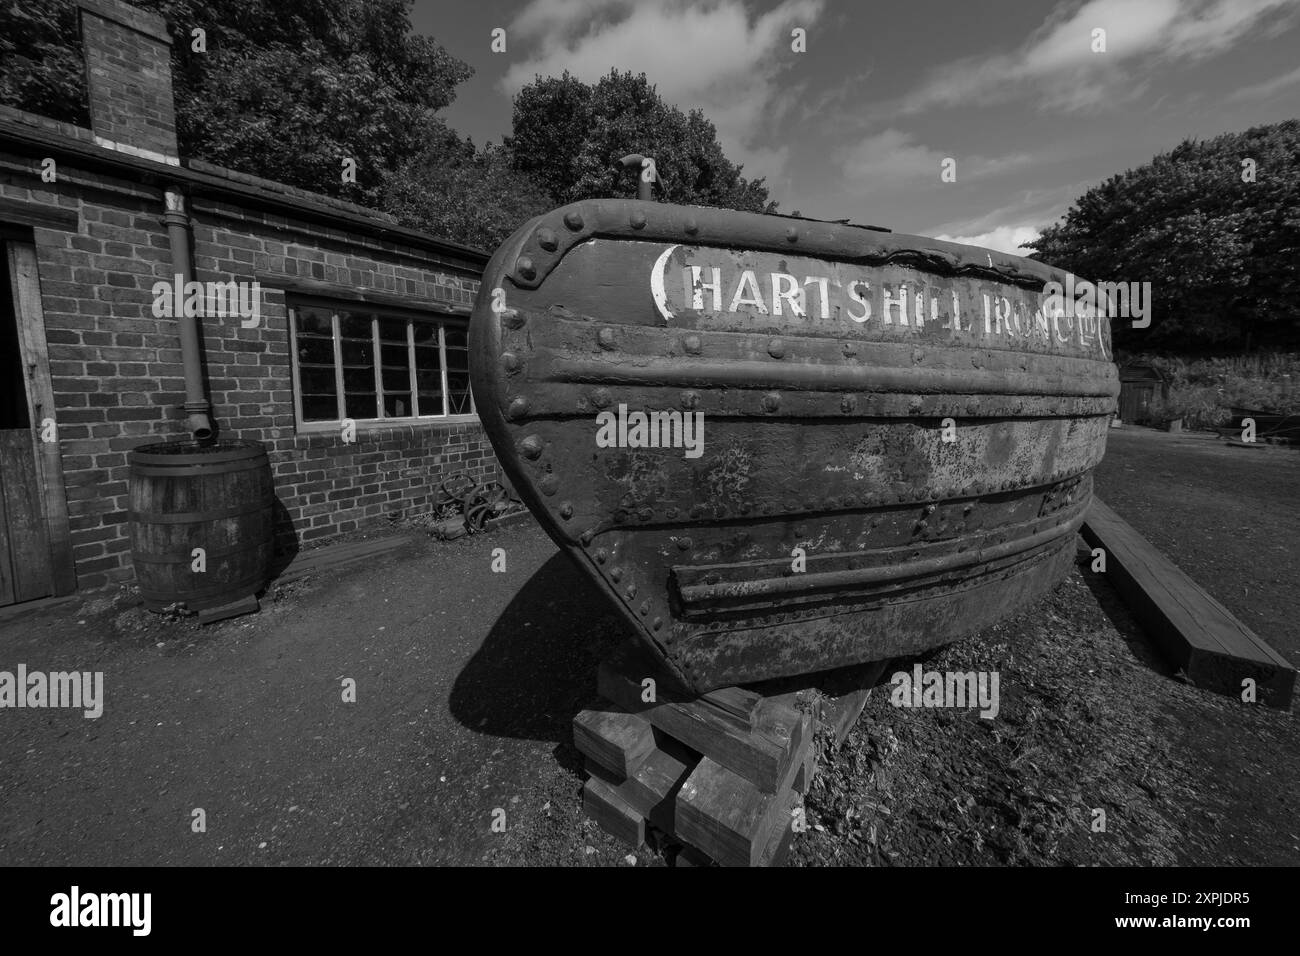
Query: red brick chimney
[[128, 71]]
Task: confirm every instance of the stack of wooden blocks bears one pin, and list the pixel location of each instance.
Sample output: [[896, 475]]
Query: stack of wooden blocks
[[723, 775]]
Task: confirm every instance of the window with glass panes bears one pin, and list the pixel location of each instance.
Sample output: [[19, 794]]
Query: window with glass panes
[[372, 365]]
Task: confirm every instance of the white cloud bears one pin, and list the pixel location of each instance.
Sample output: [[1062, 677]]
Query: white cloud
[[1057, 63], [1267, 88], [1002, 239], [890, 159], [711, 56]]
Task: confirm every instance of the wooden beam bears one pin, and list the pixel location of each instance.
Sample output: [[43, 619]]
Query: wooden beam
[[729, 818], [603, 804], [652, 788], [613, 740], [25, 277], [39, 214], [29, 553], [1193, 630], [762, 754]]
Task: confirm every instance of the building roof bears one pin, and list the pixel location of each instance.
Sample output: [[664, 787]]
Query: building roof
[[27, 133]]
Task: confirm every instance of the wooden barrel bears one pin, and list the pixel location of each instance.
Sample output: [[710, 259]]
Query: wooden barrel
[[216, 497]]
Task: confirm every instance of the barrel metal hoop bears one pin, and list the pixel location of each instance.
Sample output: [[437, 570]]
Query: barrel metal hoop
[[187, 557], [194, 517]]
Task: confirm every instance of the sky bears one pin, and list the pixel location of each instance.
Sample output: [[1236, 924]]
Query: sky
[[859, 123]]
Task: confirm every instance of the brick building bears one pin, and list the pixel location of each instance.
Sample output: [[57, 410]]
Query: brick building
[[360, 319]]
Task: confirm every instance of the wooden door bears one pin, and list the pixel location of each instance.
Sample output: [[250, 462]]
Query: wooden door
[[35, 546]]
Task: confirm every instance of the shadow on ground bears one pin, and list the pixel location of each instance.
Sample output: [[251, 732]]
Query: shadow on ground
[[537, 666], [1112, 605]]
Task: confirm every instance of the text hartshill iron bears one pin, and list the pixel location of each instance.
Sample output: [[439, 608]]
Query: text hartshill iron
[[900, 431]]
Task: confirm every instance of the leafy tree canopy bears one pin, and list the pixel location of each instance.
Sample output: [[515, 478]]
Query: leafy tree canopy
[[284, 89], [287, 89], [568, 134], [1222, 252], [452, 190]]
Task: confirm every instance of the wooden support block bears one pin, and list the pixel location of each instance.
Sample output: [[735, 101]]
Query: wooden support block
[[613, 740], [615, 817], [651, 790], [689, 856], [762, 754], [803, 777], [731, 819], [736, 704], [839, 714], [1194, 631], [777, 847], [727, 817]]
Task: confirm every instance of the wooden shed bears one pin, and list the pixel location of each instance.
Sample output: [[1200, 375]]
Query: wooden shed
[[1139, 385]]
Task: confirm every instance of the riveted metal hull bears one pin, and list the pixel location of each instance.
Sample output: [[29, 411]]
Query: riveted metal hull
[[851, 445]]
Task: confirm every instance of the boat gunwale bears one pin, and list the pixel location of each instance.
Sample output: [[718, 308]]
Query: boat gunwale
[[542, 243]]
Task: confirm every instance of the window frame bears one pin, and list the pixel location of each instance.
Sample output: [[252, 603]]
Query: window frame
[[438, 318]]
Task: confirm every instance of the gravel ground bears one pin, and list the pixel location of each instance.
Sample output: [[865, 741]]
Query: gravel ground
[[1229, 517]]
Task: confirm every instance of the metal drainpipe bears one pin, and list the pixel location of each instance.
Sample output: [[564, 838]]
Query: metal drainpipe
[[178, 236], [644, 187]]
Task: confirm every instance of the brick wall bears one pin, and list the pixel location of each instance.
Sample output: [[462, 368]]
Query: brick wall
[[116, 368], [128, 64]]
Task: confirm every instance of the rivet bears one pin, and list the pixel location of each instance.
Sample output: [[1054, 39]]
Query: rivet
[[684, 544], [637, 219], [792, 234], [601, 397], [587, 536], [657, 623], [616, 574], [515, 319], [549, 485], [573, 220], [531, 447], [547, 240], [848, 403], [692, 227], [566, 510], [671, 514], [644, 609], [519, 407], [776, 348], [631, 591], [510, 361], [602, 555], [692, 344], [645, 514], [771, 402], [525, 267], [690, 399], [605, 338]]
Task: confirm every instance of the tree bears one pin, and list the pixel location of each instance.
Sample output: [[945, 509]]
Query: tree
[[567, 135], [285, 89], [1217, 237], [454, 191], [40, 65]]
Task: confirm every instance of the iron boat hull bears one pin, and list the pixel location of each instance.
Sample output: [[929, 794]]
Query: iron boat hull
[[898, 433]]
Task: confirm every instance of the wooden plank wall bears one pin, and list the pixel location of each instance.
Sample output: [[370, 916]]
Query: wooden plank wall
[[53, 504]]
